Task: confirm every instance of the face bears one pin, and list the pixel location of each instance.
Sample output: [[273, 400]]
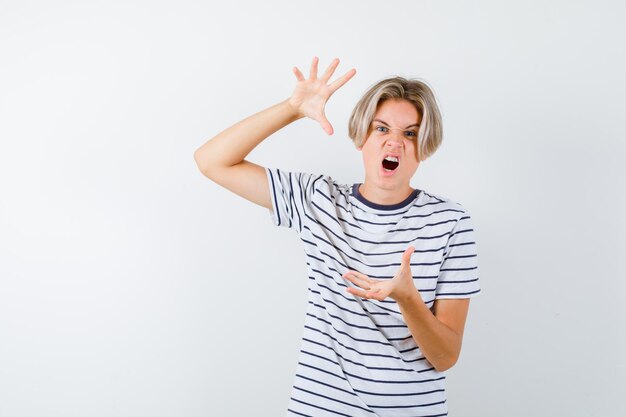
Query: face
[[393, 133]]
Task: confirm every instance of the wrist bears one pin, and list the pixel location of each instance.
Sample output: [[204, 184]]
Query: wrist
[[412, 298], [293, 109]]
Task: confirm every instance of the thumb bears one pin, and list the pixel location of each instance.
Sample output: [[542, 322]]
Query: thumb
[[328, 128], [406, 256]]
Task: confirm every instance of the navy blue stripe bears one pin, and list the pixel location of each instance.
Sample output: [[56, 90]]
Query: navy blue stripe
[[457, 293], [325, 212], [385, 394], [325, 384], [421, 227], [409, 394], [417, 216], [456, 282], [315, 190], [285, 198], [290, 191], [433, 197], [462, 256], [333, 399], [458, 269], [409, 349], [461, 244], [302, 198], [310, 243], [327, 197], [295, 205], [419, 381], [459, 232], [321, 408], [322, 370], [275, 200], [408, 406], [300, 414]]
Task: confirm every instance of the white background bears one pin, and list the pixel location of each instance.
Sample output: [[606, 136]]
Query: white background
[[130, 285]]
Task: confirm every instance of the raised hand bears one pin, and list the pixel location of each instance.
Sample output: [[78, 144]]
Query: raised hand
[[400, 287], [310, 96]]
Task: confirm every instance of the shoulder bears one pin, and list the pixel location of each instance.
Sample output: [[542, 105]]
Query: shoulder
[[328, 187], [304, 180], [445, 204], [313, 186]]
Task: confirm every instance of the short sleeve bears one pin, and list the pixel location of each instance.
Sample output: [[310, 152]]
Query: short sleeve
[[291, 194], [458, 275]]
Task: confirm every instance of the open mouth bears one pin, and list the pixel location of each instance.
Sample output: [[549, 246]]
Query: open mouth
[[390, 163]]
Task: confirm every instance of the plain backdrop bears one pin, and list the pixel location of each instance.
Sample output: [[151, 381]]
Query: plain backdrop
[[131, 285]]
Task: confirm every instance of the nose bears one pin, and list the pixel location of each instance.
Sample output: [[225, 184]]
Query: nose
[[395, 139]]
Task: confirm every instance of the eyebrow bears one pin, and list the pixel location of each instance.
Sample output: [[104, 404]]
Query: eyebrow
[[385, 123]]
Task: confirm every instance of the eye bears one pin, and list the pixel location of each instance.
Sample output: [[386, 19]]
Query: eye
[[410, 133], [381, 127]]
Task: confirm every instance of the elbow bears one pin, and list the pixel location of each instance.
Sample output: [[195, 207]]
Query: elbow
[[196, 157], [202, 165], [445, 363], [442, 367]]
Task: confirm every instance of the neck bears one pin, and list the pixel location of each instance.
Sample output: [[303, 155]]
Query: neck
[[385, 196]]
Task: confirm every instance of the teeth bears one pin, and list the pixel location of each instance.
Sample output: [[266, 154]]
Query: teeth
[[392, 159]]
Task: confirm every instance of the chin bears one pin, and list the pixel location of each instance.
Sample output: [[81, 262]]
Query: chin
[[391, 183]]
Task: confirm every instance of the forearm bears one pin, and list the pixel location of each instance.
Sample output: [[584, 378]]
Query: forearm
[[439, 343], [232, 145]]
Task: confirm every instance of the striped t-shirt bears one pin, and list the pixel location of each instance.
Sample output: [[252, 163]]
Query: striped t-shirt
[[357, 356]]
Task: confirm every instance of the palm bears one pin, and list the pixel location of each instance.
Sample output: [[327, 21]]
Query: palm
[[398, 288], [310, 96], [381, 289]]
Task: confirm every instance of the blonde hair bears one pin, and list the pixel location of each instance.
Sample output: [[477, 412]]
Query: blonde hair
[[415, 91]]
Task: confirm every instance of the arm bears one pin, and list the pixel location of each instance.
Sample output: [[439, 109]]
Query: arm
[[221, 159], [439, 335]]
